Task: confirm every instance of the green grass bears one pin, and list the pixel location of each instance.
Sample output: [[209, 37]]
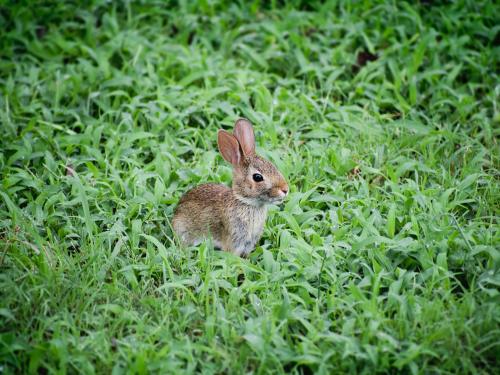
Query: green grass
[[383, 116]]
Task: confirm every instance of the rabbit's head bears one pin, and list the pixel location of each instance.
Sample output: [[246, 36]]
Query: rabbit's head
[[256, 181]]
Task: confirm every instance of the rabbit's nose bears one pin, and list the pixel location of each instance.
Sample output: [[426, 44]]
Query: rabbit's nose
[[283, 191]]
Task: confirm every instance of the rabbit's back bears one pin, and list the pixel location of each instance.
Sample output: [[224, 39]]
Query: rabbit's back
[[201, 212]]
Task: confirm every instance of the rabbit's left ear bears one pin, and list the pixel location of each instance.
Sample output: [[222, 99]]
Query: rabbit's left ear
[[243, 131], [229, 147]]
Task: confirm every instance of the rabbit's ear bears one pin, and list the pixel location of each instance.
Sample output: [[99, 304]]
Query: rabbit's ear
[[229, 147], [243, 132]]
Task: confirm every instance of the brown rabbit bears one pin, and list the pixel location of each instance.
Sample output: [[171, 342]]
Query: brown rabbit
[[235, 217]]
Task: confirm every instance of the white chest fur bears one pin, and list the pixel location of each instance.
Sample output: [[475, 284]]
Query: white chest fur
[[256, 220], [247, 225]]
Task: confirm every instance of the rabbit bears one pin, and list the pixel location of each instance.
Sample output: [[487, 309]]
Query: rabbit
[[233, 217]]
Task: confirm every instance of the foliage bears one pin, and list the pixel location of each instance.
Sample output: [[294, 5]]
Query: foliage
[[383, 116]]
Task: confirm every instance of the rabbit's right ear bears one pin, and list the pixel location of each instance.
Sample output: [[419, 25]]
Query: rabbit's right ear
[[229, 147], [243, 131]]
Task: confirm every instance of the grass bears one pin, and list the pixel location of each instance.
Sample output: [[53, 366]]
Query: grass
[[383, 116]]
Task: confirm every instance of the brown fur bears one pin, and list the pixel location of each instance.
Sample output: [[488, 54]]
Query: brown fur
[[235, 217]]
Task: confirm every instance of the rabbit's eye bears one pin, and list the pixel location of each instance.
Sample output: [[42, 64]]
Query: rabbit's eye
[[257, 177]]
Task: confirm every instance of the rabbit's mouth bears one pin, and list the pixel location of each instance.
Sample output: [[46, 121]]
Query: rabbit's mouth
[[276, 200], [251, 201], [260, 201]]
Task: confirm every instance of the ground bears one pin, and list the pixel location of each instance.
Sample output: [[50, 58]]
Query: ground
[[384, 118]]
